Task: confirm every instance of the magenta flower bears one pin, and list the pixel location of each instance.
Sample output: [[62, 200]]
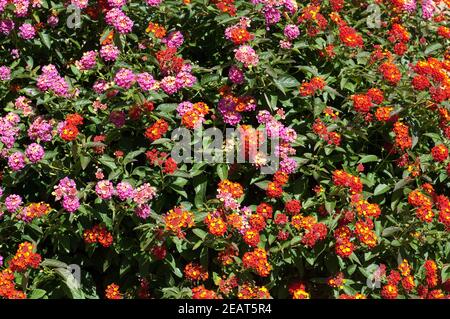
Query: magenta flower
[[34, 152], [27, 31]]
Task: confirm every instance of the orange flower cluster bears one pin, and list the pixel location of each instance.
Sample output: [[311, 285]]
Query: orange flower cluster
[[383, 114], [400, 36], [402, 138], [344, 179], [226, 257], [98, 234], [365, 209], [112, 292], [34, 210], [443, 204], [350, 37], [248, 291], [7, 286], [439, 153], [298, 291], [344, 247], [176, 219], [443, 32], [157, 130], [240, 35], [216, 225], [195, 272], [390, 72], [257, 260], [337, 281], [158, 30], [423, 205], [25, 258], [313, 19], [195, 116], [364, 232], [311, 87], [436, 71], [200, 292], [350, 297], [321, 129], [226, 6], [227, 186]]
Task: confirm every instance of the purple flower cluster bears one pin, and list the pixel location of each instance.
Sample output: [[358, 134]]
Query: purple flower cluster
[[6, 26], [13, 202], [109, 52], [87, 61], [51, 80], [5, 73], [9, 129], [27, 31], [16, 161], [143, 211], [34, 152], [146, 81], [21, 7], [104, 189], [291, 32], [236, 75], [117, 3], [82, 4], [40, 129], [119, 20], [144, 194], [124, 191], [154, 3], [124, 78], [173, 40], [67, 191], [428, 9]]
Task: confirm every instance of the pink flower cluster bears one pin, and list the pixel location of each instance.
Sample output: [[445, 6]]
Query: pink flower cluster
[[67, 191], [5, 73], [51, 80], [119, 20], [40, 129], [87, 61], [9, 129], [27, 31], [13, 203], [246, 55], [109, 52]]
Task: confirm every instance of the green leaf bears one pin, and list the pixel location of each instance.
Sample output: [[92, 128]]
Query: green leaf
[[37, 294], [381, 189], [368, 158], [45, 39]]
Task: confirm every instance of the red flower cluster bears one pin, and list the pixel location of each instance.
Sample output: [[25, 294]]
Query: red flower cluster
[[25, 258], [350, 37], [257, 261], [157, 130], [311, 87], [176, 219], [195, 272], [112, 292], [8, 287], [321, 129], [402, 138], [98, 234], [439, 153], [423, 205], [390, 72], [344, 179], [298, 290], [216, 225], [200, 292]]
